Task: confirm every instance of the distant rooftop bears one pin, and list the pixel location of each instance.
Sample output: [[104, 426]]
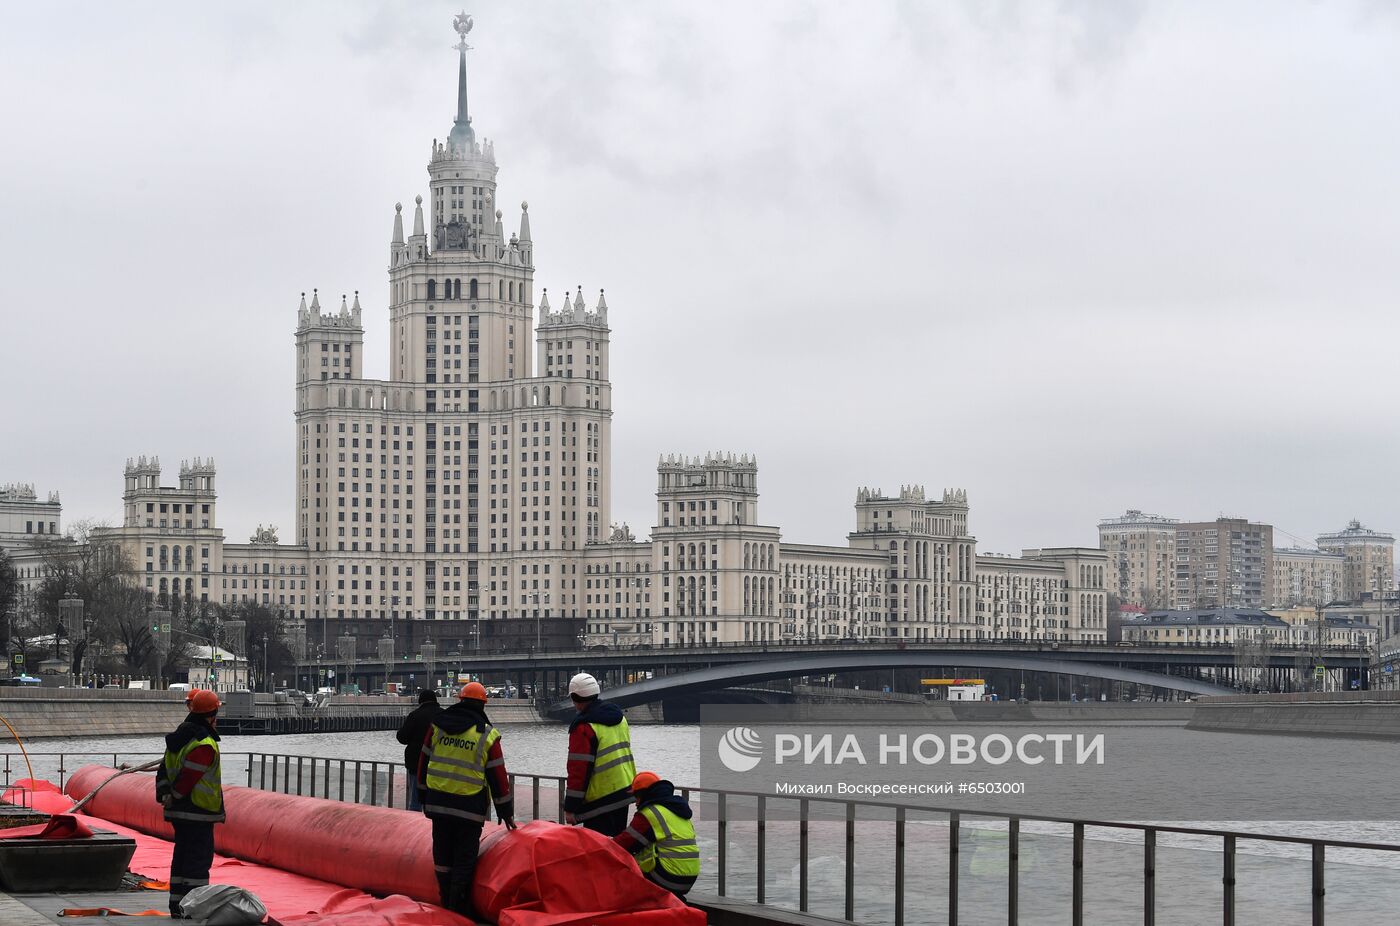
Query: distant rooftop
[[1354, 531], [1133, 516], [1204, 617]]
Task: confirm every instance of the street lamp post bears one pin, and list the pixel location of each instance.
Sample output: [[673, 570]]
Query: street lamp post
[[70, 616]]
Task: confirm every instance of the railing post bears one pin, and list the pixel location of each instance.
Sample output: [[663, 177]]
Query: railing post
[[250, 770], [392, 773], [953, 839], [1319, 889], [722, 828], [274, 773], [1228, 882], [262, 770], [802, 852], [761, 832], [357, 781], [340, 789], [298, 776], [1149, 877], [1077, 909], [374, 784], [899, 867], [1013, 872], [535, 794], [850, 861]]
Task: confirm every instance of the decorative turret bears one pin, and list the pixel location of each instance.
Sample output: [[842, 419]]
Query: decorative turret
[[729, 479], [197, 476], [142, 473], [574, 312], [312, 317], [398, 250], [524, 223]]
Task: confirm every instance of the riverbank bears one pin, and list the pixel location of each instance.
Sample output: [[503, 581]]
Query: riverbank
[[1354, 714]]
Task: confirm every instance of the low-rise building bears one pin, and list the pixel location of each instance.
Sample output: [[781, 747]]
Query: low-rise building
[[1203, 626]]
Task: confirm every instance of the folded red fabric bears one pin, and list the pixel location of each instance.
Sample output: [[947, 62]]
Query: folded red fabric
[[60, 826]]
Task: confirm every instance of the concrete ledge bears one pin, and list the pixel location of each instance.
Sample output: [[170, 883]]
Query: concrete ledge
[[1284, 715], [723, 911]]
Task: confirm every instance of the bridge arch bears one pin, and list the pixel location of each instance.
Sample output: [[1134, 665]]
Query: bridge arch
[[727, 676]]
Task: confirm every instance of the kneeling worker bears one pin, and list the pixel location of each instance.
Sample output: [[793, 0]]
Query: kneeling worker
[[188, 786], [461, 761], [661, 835]]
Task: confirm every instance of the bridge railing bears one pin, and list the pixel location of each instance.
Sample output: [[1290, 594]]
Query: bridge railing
[[450, 660]]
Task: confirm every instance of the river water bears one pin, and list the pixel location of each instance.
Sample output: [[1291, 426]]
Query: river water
[[1363, 887]]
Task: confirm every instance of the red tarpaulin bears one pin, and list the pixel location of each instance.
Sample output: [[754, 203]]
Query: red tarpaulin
[[291, 899], [540, 875]]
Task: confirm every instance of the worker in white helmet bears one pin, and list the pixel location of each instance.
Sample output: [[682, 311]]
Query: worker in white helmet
[[600, 766]]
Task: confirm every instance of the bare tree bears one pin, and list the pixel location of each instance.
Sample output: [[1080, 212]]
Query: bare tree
[[92, 566]]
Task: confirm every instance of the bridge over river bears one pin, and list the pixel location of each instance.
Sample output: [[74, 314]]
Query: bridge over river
[[643, 674]]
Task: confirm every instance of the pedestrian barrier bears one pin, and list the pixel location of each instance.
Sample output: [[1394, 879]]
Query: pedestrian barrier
[[740, 830]]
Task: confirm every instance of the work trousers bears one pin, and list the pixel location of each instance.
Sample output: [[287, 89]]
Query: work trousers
[[191, 859], [455, 844], [610, 824], [414, 798]]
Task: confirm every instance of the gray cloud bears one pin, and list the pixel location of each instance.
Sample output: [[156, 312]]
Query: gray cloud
[[1074, 257]]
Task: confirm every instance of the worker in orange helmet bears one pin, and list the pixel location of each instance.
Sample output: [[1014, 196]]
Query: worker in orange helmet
[[661, 835], [189, 788], [460, 766]]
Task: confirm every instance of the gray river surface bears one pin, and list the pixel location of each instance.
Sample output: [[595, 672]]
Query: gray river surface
[[1273, 881]]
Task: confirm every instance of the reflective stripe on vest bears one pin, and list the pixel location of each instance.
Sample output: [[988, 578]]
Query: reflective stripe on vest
[[457, 761], [613, 769], [673, 844], [208, 793]]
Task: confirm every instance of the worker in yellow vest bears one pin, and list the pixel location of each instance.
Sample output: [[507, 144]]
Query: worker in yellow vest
[[461, 764], [661, 836], [189, 788], [600, 767]]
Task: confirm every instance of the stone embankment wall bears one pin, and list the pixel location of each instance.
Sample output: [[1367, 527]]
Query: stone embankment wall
[[37, 713], [994, 712], [1365, 714]]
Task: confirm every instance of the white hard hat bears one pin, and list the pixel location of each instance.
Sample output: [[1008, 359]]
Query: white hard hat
[[584, 685]]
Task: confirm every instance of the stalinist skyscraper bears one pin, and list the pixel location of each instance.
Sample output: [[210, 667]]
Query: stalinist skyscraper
[[467, 484]]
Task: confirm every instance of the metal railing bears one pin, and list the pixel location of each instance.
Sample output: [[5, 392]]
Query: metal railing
[[835, 823], [719, 811]]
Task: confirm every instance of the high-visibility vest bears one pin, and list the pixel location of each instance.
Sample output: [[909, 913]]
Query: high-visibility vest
[[457, 761], [613, 768], [207, 798], [673, 844]]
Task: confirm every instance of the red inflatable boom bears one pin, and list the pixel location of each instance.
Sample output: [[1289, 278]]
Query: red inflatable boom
[[543, 874]]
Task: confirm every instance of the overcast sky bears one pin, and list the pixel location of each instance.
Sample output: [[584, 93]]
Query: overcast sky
[[1074, 257]]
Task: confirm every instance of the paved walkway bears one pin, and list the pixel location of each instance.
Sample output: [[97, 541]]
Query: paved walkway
[[42, 909]]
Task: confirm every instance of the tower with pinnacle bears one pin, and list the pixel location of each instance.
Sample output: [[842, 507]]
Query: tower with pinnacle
[[466, 485]]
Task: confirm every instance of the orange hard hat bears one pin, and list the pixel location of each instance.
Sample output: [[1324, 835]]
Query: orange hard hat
[[203, 702], [472, 691], [644, 780]]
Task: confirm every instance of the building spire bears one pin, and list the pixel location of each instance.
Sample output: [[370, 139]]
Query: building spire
[[462, 127]]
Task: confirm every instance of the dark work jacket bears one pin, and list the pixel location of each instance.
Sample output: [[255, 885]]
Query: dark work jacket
[[414, 729]]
